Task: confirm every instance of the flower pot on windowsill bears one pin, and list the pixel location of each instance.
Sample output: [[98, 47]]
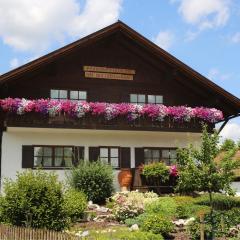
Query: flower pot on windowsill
[[125, 179]]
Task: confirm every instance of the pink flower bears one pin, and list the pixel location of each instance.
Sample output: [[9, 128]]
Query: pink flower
[[173, 171], [110, 110]]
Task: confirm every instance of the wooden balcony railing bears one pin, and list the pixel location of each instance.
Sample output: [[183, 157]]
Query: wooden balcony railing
[[90, 122]]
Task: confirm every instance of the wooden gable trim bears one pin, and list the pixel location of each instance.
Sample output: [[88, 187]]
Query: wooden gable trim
[[136, 37]]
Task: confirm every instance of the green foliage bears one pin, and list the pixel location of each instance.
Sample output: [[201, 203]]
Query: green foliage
[[75, 203], [220, 201], [95, 179], [156, 170], [139, 235], [130, 204], [35, 199], [122, 233], [227, 145], [223, 221], [200, 172], [164, 206], [157, 224]]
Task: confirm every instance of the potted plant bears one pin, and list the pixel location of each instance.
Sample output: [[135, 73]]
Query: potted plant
[[155, 173]]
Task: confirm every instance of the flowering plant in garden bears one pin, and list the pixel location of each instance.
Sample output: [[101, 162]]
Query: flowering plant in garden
[[109, 111], [173, 171], [131, 204]]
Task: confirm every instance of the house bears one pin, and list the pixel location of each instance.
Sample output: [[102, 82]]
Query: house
[[114, 65]]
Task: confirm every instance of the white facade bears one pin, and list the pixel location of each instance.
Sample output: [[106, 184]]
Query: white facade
[[13, 139]]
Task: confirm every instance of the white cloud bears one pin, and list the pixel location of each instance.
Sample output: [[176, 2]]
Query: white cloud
[[14, 63], [215, 74], [231, 130], [205, 14], [164, 39], [236, 38], [32, 25]]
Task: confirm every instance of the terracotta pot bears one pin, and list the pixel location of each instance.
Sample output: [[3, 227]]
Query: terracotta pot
[[125, 179]]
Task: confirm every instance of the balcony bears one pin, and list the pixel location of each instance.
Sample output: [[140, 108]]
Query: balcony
[[123, 116]]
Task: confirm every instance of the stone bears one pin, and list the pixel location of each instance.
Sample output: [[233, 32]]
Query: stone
[[134, 228]]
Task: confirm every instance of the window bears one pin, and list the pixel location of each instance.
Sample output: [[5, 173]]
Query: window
[[110, 155], [65, 94], [143, 99], [155, 99], [138, 98], [152, 155], [78, 95], [53, 156], [58, 94]]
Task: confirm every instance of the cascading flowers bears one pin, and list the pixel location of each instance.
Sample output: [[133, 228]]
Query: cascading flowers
[[109, 111]]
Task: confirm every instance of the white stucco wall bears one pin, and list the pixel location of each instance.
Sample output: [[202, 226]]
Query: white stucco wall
[[14, 138]]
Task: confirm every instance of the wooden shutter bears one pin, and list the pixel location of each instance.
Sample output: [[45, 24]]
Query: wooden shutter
[[139, 157], [125, 157], [94, 153], [27, 156], [78, 155]]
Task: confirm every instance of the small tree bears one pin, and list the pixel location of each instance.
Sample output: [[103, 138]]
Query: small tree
[[199, 170]]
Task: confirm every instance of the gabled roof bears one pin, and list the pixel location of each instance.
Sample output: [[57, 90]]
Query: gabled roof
[[135, 36]]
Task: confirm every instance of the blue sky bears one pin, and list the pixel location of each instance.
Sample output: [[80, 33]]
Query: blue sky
[[203, 34]]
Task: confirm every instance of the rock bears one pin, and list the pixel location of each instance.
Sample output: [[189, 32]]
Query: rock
[[182, 222], [103, 218], [179, 222], [82, 234], [85, 233], [192, 219], [134, 228], [102, 209], [233, 232], [92, 206]]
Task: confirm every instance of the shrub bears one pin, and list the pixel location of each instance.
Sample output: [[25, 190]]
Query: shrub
[[35, 199], [156, 172], [75, 203], [220, 201], [157, 224], [165, 206], [227, 145], [139, 236], [130, 204], [95, 179], [223, 221]]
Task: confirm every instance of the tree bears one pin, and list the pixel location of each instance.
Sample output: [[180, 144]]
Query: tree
[[199, 170]]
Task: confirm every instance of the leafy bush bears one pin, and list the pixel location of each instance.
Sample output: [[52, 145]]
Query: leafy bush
[[130, 204], [122, 233], [165, 206], [35, 199], [157, 224], [95, 179], [223, 221], [220, 201], [75, 203], [227, 145], [157, 171]]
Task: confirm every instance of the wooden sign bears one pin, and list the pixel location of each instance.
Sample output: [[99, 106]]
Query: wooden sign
[[108, 70], [108, 76], [108, 73]]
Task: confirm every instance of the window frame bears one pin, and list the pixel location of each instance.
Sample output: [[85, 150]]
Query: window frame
[[146, 98], [161, 159], [69, 94], [53, 147], [109, 155]]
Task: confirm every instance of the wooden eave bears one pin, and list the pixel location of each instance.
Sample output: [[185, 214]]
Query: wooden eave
[[138, 38]]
